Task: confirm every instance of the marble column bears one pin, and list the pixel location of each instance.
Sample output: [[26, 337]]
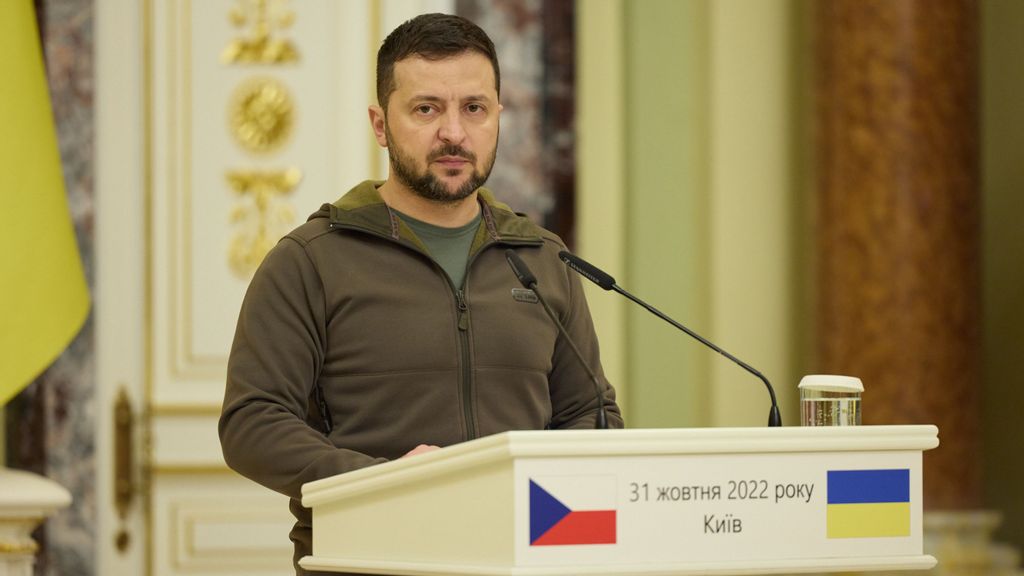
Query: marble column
[[897, 219], [536, 169]]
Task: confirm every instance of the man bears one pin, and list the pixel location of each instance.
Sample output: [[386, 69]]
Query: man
[[390, 323]]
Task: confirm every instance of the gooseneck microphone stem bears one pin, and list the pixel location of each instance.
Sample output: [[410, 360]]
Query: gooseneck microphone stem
[[529, 281], [602, 417], [605, 281], [775, 418]]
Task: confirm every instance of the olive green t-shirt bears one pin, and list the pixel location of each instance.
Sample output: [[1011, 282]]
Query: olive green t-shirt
[[448, 246]]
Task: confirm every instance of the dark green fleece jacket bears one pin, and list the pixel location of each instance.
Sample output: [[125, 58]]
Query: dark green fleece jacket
[[351, 302]]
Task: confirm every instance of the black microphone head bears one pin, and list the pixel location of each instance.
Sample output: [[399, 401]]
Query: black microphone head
[[587, 270], [522, 272]]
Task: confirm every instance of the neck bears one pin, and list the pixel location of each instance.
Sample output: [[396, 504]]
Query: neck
[[444, 214]]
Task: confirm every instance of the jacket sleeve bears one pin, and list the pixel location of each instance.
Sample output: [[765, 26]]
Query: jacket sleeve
[[275, 360], [573, 401]]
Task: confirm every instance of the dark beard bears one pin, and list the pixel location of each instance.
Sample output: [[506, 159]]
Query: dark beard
[[427, 185]]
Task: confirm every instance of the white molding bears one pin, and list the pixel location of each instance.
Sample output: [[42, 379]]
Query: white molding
[[923, 562], [597, 443], [120, 246]]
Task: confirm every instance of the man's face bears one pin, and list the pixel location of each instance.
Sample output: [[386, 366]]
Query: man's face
[[441, 126]]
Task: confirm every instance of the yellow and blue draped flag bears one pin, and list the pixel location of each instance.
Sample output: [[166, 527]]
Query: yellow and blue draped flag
[[868, 503], [43, 295]]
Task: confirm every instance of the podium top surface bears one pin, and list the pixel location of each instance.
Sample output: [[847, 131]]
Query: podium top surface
[[619, 443]]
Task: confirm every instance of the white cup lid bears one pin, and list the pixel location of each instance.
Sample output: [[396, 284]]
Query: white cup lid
[[831, 383]]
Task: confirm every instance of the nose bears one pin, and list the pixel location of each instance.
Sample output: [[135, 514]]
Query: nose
[[451, 131]]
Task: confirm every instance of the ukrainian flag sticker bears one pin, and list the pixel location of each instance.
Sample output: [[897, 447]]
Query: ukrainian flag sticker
[[868, 503]]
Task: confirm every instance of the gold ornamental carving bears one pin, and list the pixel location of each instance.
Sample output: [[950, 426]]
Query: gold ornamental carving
[[262, 23], [261, 115], [260, 216], [18, 547]]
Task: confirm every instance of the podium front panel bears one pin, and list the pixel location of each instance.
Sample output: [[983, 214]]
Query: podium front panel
[[708, 508], [633, 502]]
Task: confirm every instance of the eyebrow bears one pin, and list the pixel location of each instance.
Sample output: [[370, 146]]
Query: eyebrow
[[432, 98]]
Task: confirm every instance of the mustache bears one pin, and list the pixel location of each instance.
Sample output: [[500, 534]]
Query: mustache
[[452, 150]]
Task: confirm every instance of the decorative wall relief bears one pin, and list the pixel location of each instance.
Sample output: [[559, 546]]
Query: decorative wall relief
[[262, 22], [261, 115], [260, 216]]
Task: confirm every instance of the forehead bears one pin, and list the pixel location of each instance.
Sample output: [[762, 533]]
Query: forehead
[[468, 72]]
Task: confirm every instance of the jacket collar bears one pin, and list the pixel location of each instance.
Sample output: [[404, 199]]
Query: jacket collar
[[362, 208]]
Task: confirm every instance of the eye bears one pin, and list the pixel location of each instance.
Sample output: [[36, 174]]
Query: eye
[[475, 108], [424, 109]]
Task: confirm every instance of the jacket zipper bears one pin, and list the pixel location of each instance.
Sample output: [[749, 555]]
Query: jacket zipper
[[463, 330], [466, 372], [465, 361], [462, 326]]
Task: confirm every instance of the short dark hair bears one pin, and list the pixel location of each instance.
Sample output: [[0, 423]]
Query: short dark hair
[[434, 37]]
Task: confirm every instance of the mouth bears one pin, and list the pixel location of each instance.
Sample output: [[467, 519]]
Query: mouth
[[451, 160]]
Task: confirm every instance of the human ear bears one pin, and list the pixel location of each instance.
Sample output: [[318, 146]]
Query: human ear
[[377, 120]]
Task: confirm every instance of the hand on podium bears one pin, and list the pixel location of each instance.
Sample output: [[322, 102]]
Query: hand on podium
[[421, 449]]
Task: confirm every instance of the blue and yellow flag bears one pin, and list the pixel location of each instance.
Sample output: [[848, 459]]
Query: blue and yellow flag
[[868, 503], [43, 295]]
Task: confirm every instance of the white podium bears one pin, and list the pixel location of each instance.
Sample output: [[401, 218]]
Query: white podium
[[650, 502]]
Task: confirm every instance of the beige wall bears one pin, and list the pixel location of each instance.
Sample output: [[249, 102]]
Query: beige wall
[[692, 194], [702, 123], [1003, 258], [666, 199], [600, 159]]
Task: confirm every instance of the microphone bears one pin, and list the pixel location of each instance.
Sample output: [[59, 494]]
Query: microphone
[[529, 281], [605, 281]]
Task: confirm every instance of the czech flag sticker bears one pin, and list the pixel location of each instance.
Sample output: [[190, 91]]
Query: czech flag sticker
[[572, 510]]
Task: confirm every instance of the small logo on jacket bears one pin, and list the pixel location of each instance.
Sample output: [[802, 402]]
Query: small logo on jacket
[[524, 295]]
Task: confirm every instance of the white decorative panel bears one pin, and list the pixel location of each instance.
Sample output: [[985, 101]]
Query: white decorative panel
[[220, 524], [186, 440], [243, 151], [255, 115]]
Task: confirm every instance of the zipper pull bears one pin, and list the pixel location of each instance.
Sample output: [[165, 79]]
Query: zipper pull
[[463, 311]]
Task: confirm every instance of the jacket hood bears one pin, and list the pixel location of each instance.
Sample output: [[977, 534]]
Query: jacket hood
[[362, 208]]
